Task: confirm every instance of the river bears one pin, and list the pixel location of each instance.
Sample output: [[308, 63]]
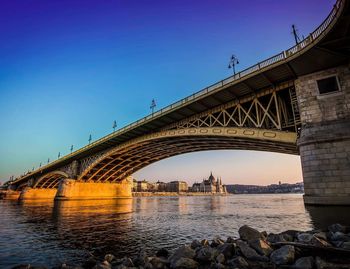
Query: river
[[50, 233]]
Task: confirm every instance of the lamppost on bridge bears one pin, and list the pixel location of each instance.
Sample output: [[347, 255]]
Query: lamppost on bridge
[[90, 139], [153, 105], [232, 64], [114, 125], [48, 160], [71, 148], [59, 155], [40, 165]]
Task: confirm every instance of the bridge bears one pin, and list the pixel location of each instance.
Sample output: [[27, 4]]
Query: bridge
[[296, 102]]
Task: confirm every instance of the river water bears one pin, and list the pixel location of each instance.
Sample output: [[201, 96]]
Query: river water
[[50, 233]]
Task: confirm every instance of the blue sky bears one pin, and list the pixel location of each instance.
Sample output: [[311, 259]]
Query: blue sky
[[68, 69]]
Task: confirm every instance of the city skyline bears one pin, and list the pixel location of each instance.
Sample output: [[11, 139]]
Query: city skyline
[[69, 73]]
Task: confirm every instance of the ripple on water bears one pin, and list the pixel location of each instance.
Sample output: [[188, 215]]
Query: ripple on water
[[68, 231]]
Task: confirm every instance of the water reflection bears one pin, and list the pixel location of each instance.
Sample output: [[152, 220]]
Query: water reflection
[[323, 216], [44, 232]]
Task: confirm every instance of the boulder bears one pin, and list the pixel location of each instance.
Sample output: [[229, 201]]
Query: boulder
[[109, 257], [103, 265], [275, 238], [162, 253], [205, 255], [185, 263], [321, 264], [238, 262], [261, 246], [337, 228], [195, 244], [216, 242], [346, 245], [205, 242], [181, 252], [230, 240], [128, 262], [247, 233], [227, 249], [304, 263], [339, 236], [305, 238], [159, 262], [220, 258], [321, 235], [283, 255], [249, 252]]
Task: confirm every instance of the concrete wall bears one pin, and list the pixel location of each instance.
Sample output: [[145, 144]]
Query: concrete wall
[[31, 194], [72, 189], [324, 141]]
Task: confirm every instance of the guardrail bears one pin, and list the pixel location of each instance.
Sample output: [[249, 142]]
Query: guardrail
[[285, 55]]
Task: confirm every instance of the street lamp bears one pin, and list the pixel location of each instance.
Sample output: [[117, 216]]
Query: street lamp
[[48, 160], [232, 63], [114, 125], [153, 105], [90, 139], [71, 148], [59, 155]]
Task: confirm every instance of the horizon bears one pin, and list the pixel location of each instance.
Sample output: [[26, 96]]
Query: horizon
[[55, 61]]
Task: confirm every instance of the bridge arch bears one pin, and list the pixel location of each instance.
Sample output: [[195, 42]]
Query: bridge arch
[[127, 158], [50, 180]]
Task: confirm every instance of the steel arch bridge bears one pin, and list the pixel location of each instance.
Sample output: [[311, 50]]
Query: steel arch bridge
[[256, 109]]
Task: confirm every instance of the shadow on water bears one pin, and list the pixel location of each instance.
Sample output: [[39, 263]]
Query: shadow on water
[[323, 216]]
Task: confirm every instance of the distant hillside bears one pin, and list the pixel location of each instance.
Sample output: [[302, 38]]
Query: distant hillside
[[274, 188]]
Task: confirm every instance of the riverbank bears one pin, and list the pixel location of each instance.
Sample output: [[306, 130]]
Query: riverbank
[[328, 249], [147, 194]]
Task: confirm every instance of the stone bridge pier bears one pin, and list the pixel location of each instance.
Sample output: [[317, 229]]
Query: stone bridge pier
[[324, 143]]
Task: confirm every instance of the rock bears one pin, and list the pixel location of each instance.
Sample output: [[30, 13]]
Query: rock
[[304, 263], [230, 240], [346, 245], [205, 242], [162, 253], [238, 262], [337, 228], [283, 255], [195, 244], [103, 265], [305, 238], [185, 263], [205, 255], [339, 236], [289, 235], [249, 252], [321, 264], [22, 266], [139, 260], [216, 242], [159, 262], [89, 263], [109, 258], [275, 238], [228, 249], [261, 247], [318, 242], [321, 235], [128, 262], [247, 233], [217, 266], [181, 252], [220, 258]]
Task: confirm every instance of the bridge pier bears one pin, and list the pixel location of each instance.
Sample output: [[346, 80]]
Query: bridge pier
[[324, 142], [36, 194], [10, 195], [70, 189]]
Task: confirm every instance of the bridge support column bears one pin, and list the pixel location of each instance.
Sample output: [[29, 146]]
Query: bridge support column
[[70, 189], [9, 195], [324, 142], [35, 194]]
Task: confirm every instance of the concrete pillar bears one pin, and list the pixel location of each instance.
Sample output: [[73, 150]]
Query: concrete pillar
[[70, 189], [36, 194], [9, 195], [324, 142]]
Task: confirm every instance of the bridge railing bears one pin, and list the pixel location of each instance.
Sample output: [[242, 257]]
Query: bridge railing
[[268, 63]]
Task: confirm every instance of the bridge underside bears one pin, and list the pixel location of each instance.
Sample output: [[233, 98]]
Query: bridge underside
[[124, 161]]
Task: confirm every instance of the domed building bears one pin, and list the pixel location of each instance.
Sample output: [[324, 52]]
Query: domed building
[[211, 185]]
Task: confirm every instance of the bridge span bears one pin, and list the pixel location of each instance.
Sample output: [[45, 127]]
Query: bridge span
[[296, 102]]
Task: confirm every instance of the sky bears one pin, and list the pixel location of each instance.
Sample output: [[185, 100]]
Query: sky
[[68, 69]]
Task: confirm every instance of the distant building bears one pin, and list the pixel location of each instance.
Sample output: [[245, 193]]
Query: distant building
[[273, 188], [211, 185], [177, 186]]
